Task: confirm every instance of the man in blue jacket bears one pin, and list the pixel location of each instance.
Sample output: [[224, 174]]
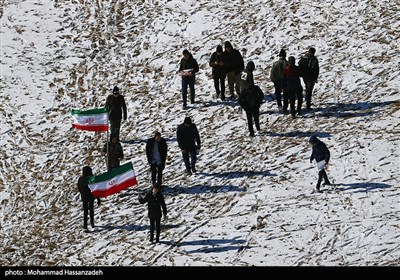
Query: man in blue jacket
[[321, 155]]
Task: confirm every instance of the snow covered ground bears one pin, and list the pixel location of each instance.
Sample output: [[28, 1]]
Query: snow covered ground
[[252, 202]]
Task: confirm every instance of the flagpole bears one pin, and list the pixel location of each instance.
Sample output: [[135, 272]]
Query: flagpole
[[108, 127]]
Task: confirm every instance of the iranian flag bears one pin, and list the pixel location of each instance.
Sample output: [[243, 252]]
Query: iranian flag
[[91, 120], [113, 181]]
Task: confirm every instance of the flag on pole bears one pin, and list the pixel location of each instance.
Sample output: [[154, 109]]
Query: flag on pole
[[91, 120], [113, 181]]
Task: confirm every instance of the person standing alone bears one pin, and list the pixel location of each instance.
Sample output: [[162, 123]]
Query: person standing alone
[[155, 202], [86, 196], [321, 155], [115, 104], [156, 152], [188, 68], [189, 142]]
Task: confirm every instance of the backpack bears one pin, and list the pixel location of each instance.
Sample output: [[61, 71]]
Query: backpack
[[251, 98], [305, 69]]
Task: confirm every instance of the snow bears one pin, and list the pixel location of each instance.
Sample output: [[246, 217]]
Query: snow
[[252, 202]]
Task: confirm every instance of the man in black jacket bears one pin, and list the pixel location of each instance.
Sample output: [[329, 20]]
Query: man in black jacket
[[156, 152], [189, 142], [321, 155], [155, 201], [188, 68], [116, 105], [86, 196], [234, 65]]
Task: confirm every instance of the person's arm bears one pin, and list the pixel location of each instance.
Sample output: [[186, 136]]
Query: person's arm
[[327, 155], [148, 151], [197, 136], [195, 66], [124, 108], [143, 199], [163, 205]]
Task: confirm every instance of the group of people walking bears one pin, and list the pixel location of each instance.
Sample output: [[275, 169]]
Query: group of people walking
[[285, 75], [226, 64]]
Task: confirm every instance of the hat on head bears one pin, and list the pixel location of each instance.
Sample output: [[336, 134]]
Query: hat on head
[[115, 89], [187, 120], [282, 53], [219, 49], [311, 50], [313, 139]]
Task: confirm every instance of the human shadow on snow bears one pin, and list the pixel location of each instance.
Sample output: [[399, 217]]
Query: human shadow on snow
[[339, 110], [361, 187], [306, 134], [141, 141], [237, 174], [214, 245], [194, 189]]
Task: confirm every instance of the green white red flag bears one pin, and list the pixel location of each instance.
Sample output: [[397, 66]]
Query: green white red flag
[[113, 181], [91, 120]]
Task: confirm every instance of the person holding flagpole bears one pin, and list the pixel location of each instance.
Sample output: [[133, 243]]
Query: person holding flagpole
[[87, 197], [116, 105], [113, 151]]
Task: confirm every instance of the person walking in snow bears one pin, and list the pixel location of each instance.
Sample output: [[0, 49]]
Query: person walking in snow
[[276, 76], [309, 69], [217, 62], [234, 65], [189, 142], [320, 153], [250, 98], [115, 104], [292, 89], [113, 151], [156, 152], [155, 203], [188, 68], [87, 197]]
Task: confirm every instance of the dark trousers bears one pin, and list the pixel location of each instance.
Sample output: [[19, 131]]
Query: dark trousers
[[190, 164], [185, 83], [115, 126], [322, 174], [219, 85], [278, 92], [156, 174], [88, 208], [155, 224], [251, 114], [293, 95], [309, 89]]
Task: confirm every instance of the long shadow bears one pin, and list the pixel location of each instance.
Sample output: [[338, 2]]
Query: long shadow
[[138, 141], [306, 134], [133, 227], [339, 110], [195, 189], [361, 187], [227, 102], [213, 245], [237, 174], [123, 227], [349, 110]]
